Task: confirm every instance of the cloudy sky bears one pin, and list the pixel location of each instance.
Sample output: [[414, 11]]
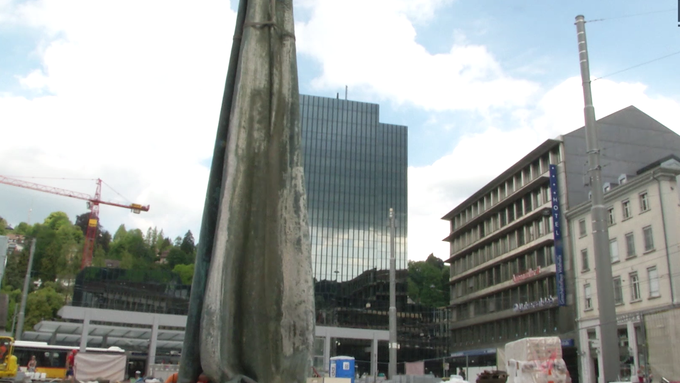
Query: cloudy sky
[[129, 92]]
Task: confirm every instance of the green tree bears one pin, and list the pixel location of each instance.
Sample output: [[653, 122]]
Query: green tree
[[127, 261], [23, 229], [186, 273], [14, 296], [58, 247], [178, 257], [162, 243], [131, 249], [42, 305], [188, 246], [3, 226], [428, 282], [120, 233], [99, 257], [15, 269]]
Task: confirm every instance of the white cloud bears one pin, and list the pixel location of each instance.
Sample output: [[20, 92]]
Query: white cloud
[[134, 92], [436, 189], [130, 92], [34, 80], [377, 53]]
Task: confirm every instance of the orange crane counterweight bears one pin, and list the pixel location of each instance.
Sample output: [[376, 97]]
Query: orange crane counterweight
[[92, 203]]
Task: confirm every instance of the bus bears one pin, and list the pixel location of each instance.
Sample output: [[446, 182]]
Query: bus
[[51, 358]]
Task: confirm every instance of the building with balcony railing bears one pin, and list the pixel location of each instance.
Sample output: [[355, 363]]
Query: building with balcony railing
[[503, 264], [512, 271]]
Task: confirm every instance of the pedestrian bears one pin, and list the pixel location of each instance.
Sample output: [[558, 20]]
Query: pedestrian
[[3, 351], [138, 377], [641, 374], [71, 364], [32, 364], [461, 372]]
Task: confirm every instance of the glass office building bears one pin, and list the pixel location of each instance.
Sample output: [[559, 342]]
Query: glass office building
[[355, 170]]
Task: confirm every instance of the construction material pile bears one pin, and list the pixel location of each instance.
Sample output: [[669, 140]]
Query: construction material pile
[[536, 360]]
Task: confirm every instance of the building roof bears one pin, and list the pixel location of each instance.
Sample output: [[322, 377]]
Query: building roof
[[658, 163], [667, 166], [629, 140], [132, 330], [534, 154], [127, 338]]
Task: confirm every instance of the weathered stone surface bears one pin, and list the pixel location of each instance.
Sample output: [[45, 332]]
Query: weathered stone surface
[[257, 317]]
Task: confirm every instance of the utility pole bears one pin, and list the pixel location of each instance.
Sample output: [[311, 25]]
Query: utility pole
[[4, 245], [392, 369], [24, 294], [609, 348]]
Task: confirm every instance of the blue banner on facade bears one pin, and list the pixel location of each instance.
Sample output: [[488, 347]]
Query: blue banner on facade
[[557, 235]]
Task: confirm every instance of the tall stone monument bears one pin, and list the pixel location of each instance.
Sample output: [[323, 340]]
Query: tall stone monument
[[251, 312]]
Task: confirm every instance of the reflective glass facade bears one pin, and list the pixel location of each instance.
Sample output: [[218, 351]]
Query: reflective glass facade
[[355, 170]]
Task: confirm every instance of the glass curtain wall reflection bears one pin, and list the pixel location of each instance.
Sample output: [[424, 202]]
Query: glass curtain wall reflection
[[355, 170]]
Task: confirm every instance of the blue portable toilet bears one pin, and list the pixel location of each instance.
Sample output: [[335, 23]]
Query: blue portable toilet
[[342, 367]]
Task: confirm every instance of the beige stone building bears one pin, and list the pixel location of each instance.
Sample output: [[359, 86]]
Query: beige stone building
[[644, 223]]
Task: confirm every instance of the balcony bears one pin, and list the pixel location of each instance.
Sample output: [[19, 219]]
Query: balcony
[[544, 240], [540, 211], [517, 194], [546, 271]]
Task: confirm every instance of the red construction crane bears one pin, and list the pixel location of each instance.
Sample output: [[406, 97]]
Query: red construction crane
[[92, 204]]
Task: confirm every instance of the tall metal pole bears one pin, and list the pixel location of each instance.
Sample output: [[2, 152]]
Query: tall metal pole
[[603, 264], [24, 294], [392, 370], [14, 317]]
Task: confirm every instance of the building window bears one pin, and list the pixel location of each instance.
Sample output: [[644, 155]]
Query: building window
[[614, 250], [653, 276], [610, 216], [582, 228], [625, 206], [634, 287], [630, 245], [649, 239], [618, 291], [644, 201], [584, 260], [587, 294]]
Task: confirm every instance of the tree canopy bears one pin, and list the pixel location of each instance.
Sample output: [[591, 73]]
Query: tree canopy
[[428, 282], [58, 254], [3, 226]]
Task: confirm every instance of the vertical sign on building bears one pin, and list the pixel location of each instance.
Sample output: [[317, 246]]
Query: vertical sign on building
[[557, 235]]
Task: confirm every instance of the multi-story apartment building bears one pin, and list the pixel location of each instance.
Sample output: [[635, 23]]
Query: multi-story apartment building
[[512, 272], [643, 211], [504, 283]]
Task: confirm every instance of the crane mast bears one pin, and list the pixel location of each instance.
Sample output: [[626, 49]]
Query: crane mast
[[92, 203]]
